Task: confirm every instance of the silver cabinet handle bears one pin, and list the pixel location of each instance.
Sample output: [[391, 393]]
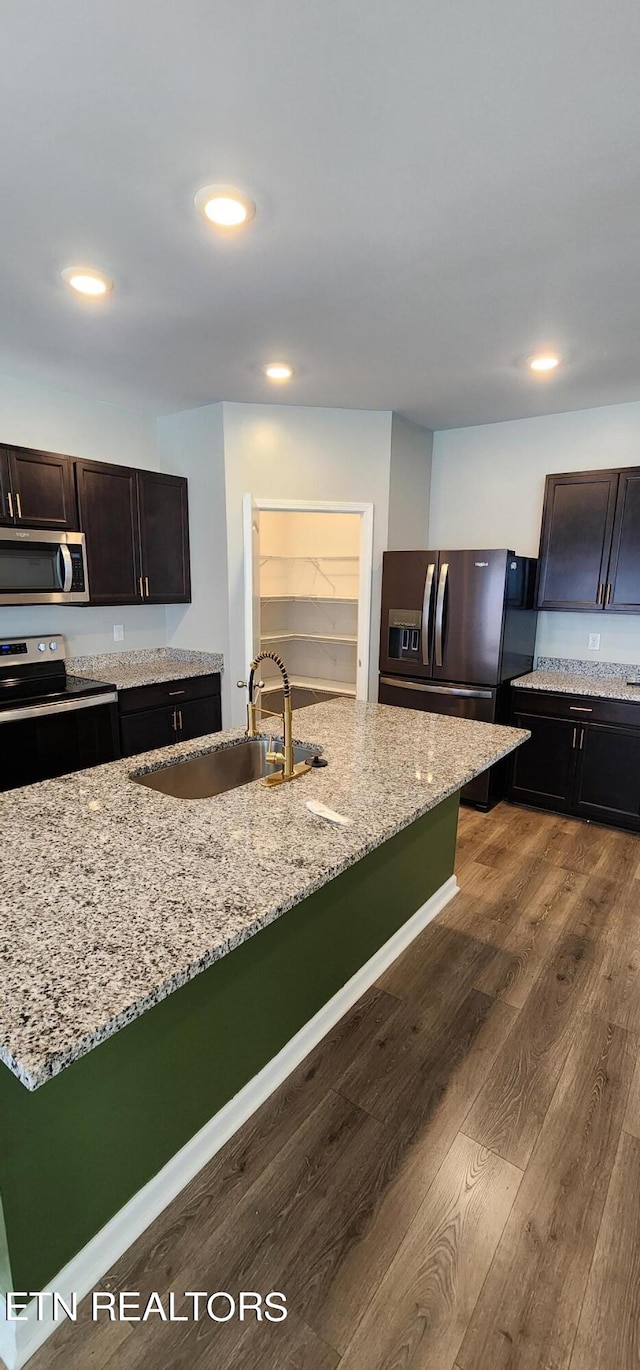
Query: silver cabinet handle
[[176, 692], [575, 734], [146, 585], [141, 587], [10, 503], [19, 506], [65, 557], [444, 571], [180, 719], [426, 612], [607, 598], [582, 732]]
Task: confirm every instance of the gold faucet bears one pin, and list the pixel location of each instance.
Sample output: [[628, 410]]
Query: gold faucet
[[255, 714]]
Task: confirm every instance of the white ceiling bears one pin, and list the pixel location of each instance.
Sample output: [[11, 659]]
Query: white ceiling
[[443, 186]]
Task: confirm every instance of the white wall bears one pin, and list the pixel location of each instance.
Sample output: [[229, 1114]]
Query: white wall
[[282, 452], [58, 421], [409, 485], [191, 444], [487, 490]]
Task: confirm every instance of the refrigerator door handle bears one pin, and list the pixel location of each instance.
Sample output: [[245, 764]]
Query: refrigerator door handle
[[464, 691], [444, 571], [426, 612]]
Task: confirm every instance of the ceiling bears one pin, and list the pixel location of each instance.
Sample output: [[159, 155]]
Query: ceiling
[[442, 187]]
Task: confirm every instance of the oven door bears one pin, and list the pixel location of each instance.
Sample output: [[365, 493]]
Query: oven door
[[47, 741], [37, 567]]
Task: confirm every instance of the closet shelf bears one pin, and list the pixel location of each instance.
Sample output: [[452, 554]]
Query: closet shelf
[[279, 556], [290, 636], [320, 599], [313, 682]]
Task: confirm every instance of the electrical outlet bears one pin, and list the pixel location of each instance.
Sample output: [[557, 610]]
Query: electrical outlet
[[118, 632], [594, 642]]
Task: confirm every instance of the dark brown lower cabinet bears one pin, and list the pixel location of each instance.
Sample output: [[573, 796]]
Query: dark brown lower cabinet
[[583, 757], [608, 778], [543, 768], [175, 711]]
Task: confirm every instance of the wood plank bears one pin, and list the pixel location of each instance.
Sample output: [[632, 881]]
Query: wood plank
[[527, 1314], [609, 1328], [419, 1313], [538, 918], [83, 1345], [375, 1195], [614, 993], [248, 1247], [436, 970], [632, 1115], [509, 1111], [283, 1346]]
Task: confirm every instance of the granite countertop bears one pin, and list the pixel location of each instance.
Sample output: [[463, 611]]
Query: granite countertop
[[126, 670], [112, 895], [570, 681]]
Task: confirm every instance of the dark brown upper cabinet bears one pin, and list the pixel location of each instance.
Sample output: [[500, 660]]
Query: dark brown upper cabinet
[[107, 497], [623, 581], [37, 489], [590, 542], [137, 529], [164, 538], [6, 508]]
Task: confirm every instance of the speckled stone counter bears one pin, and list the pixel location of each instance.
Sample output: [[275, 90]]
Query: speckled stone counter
[[114, 895], [127, 670], [600, 680]]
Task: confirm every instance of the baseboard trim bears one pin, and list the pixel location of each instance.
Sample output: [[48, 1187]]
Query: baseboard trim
[[20, 1340]]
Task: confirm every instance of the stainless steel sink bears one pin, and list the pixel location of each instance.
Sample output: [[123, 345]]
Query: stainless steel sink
[[200, 777]]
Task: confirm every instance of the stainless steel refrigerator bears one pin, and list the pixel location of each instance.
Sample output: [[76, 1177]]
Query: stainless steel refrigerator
[[456, 627]]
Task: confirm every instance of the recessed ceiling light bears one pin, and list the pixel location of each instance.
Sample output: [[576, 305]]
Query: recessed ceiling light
[[86, 281], [278, 371], [225, 206], [547, 361]]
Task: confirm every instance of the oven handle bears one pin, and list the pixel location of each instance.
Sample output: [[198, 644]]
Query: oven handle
[[66, 579], [62, 707]]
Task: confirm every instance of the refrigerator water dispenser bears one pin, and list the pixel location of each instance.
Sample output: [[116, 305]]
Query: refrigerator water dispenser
[[404, 634]]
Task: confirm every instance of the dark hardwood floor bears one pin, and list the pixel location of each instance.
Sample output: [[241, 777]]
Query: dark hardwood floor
[[451, 1180]]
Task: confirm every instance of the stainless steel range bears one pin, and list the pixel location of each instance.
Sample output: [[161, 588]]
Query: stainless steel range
[[51, 723]]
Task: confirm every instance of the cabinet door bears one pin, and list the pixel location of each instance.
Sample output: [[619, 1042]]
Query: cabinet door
[[145, 731], [109, 518], [198, 717], [544, 767], [608, 778], [164, 537], [577, 524], [622, 594], [6, 504], [43, 489]]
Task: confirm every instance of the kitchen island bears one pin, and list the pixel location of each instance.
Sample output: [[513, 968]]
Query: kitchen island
[[165, 962]]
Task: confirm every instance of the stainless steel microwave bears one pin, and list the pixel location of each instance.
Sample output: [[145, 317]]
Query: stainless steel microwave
[[39, 567]]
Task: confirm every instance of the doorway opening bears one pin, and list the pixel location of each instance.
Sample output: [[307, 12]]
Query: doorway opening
[[308, 596]]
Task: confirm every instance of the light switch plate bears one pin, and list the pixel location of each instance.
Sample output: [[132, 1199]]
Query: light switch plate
[[594, 642], [118, 632]]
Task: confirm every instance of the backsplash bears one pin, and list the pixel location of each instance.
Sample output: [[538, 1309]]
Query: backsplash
[[619, 670]]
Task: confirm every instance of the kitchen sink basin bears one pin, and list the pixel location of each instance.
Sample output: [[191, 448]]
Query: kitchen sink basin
[[200, 777]]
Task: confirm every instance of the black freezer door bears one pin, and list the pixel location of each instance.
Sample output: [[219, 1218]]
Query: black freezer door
[[458, 701], [469, 615], [406, 622]]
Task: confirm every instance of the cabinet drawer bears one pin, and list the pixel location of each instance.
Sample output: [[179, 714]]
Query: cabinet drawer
[[169, 692], [580, 708]]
